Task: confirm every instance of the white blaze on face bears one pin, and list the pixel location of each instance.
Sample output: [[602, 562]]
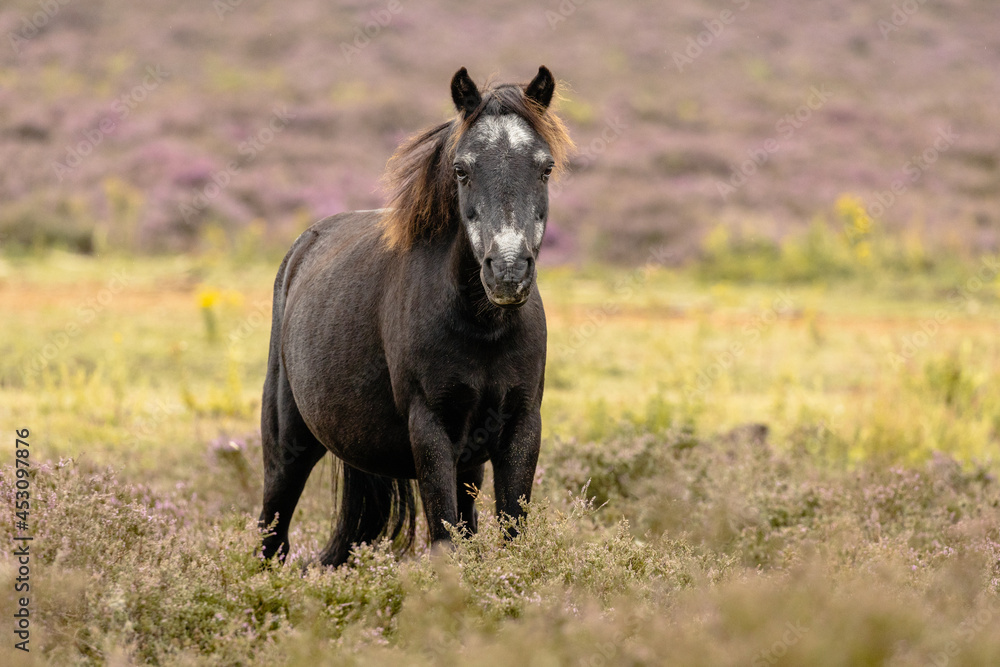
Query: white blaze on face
[[539, 232], [515, 129], [475, 231], [509, 243]]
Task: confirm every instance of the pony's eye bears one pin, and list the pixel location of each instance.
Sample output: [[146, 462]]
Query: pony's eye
[[547, 173], [461, 174]]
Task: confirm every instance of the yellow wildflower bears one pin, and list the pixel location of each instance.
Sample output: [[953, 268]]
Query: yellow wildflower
[[208, 297]]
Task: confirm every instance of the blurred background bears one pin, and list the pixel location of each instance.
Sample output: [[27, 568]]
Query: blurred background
[[150, 126], [772, 302]]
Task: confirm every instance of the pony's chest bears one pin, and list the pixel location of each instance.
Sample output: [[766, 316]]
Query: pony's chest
[[469, 384], [475, 418]]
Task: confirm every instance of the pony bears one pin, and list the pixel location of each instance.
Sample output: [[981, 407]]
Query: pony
[[409, 341]]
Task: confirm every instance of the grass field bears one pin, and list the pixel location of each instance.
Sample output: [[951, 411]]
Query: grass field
[[798, 469]]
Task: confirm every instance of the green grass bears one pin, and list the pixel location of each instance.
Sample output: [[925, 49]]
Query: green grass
[[798, 469]]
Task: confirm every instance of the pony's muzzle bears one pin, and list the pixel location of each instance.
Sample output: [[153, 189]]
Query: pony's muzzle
[[508, 282]]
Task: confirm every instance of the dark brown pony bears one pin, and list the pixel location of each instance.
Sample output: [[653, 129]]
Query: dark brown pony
[[410, 341]]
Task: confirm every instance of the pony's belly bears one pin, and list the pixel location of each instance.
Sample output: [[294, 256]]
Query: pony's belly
[[349, 407], [371, 440], [340, 381]]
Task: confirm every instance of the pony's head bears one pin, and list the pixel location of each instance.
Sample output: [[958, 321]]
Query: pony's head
[[505, 150], [488, 171]]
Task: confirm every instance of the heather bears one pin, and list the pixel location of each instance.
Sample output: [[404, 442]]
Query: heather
[[697, 503], [743, 553], [137, 126]]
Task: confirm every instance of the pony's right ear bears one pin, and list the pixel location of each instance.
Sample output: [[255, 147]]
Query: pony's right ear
[[464, 92]]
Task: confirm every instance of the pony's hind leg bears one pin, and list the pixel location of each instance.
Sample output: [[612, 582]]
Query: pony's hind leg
[[290, 453], [470, 482]]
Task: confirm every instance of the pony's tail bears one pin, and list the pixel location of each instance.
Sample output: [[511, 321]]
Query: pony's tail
[[372, 507]]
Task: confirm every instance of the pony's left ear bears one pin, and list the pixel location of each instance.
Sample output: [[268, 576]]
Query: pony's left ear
[[541, 88], [464, 92]]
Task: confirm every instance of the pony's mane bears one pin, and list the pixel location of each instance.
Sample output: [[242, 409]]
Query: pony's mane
[[419, 178]]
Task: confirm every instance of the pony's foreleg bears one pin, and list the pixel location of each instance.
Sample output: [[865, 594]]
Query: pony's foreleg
[[514, 464], [436, 463]]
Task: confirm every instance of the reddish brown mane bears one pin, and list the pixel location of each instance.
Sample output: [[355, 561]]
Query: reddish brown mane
[[419, 174]]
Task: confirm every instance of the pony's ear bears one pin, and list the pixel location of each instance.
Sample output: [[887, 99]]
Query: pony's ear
[[541, 87], [464, 92]]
